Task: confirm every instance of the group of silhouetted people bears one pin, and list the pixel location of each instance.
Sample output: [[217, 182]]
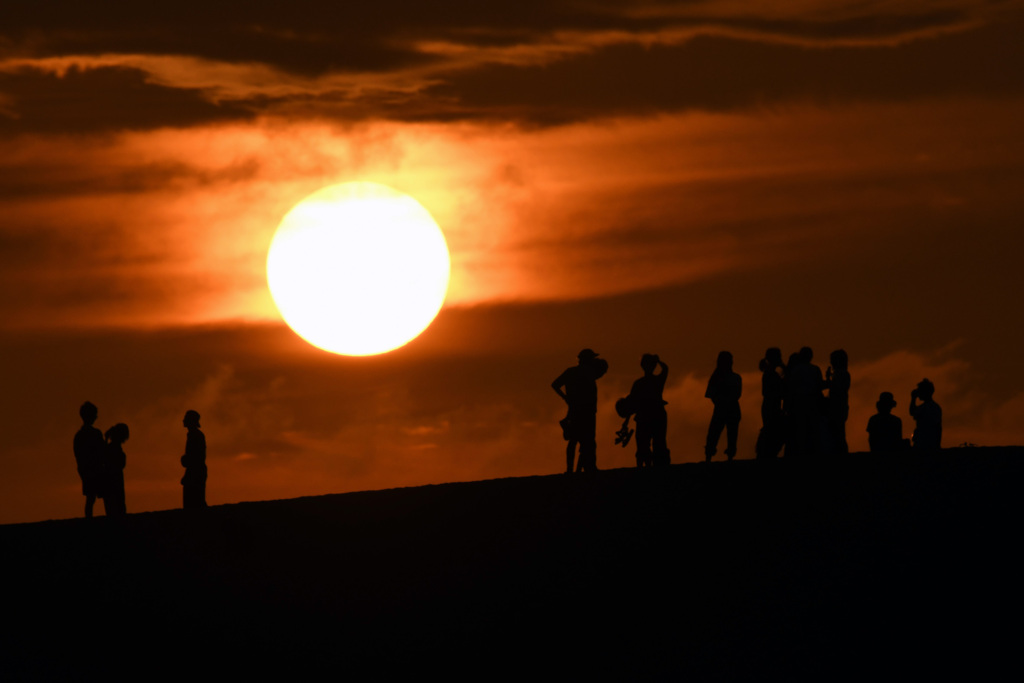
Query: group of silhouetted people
[[578, 388], [799, 416], [885, 430], [795, 412], [803, 412], [101, 461]]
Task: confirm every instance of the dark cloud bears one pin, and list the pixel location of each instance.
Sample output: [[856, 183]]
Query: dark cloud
[[100, 100], [46, 176], [720, 73], [858, 54], [312, 37], [308, 37]]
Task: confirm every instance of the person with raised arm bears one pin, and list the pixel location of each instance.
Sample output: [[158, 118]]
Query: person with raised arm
[[577, 386], [646, 402]]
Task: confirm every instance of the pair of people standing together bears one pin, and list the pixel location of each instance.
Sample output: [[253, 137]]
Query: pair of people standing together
[[577, 386], [101, 461]]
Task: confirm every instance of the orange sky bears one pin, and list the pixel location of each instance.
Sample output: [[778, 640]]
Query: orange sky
[[676, 178]]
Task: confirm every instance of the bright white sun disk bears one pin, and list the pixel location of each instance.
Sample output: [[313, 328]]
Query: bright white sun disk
[[358, 268]]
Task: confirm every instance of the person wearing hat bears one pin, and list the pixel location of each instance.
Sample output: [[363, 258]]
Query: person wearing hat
[[927, 416], [577, 386], [885, 430], [193, 484]]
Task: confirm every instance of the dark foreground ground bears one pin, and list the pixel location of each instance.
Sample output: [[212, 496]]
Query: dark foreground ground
[[896, 567]]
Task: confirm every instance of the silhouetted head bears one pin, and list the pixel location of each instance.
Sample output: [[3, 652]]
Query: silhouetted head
[[648, 362], [795, 359], [839, 359], [925, 389], [886, 402], [191, 419], [806, 354], [118, 433], [586, 355], [773, 357], [724, 362], [88, 413]]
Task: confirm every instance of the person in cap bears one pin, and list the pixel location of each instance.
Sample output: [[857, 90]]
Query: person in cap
[[885, 430], [193, 484], [577, 386], [927, 416]]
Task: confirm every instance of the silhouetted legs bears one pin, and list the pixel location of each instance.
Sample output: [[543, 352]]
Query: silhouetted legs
[[585, 427], [113, 495], [193, 491], [720, 420], [773, 433], [651, 445], [570, 455], [837, 433]]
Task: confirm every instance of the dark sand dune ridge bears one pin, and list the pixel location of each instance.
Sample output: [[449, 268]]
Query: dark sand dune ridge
[[881, 566]]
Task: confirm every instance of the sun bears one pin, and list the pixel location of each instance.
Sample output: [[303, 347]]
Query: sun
[[358, 268]]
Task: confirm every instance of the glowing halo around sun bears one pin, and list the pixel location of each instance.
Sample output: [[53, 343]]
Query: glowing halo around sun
[[358, 268]]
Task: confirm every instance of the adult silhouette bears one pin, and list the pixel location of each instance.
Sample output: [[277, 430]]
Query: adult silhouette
[[927, 416], [193, 484], [724, 390], [646, 402], [885, 430], [89, 453], [837, 381], [803, 405], [773, 420], [113, 471], [578, 388]]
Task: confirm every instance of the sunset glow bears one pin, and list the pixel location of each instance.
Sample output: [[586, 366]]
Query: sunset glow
[[662, 177], [358, 269]]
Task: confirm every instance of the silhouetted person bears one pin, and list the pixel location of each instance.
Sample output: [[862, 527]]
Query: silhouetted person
[[803, 405], [193, 484], [578, 388], [837, 381], [113, 471], [645, 399], [773, 420], [927, 416], [724, 390], [885, 430], [89, 450]]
